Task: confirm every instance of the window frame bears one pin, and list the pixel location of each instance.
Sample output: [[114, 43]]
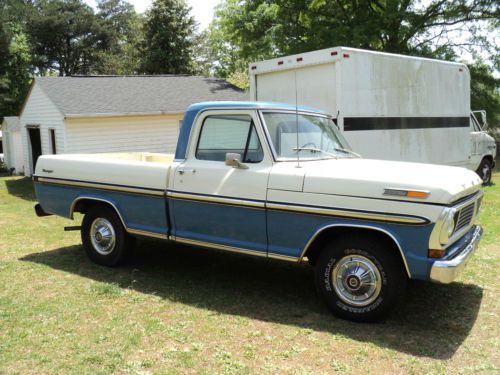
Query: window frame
[[252, 129], [52, 139]]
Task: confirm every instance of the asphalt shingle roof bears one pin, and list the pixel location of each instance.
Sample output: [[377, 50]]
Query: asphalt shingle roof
[[134, 94]]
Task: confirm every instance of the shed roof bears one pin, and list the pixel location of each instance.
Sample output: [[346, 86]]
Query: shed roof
[[11, 123], [128, 95]]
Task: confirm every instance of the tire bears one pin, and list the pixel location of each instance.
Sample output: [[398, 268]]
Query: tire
[[484, 171], [338, 261], [104, 238]]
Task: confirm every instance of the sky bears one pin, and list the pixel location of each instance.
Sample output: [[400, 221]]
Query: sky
[[202, 10]]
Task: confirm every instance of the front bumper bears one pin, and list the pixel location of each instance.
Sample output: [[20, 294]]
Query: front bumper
[[446, 270]]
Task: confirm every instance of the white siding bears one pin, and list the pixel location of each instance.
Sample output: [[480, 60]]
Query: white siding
[[13, 150], [123, 134], [40, 111], [17, 152]]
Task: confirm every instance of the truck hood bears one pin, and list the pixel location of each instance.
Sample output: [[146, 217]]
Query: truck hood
[[369, 178]]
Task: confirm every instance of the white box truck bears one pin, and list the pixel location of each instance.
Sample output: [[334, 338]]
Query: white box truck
[[389, 106]]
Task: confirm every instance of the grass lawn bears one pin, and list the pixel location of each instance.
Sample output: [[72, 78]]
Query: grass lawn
[[185, 310]]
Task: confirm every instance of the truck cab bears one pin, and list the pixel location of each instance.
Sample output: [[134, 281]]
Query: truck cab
[[483, 146]]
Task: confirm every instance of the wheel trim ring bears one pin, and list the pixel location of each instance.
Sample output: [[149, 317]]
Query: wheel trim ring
[[366, 272], [486, 173], [102, 236]]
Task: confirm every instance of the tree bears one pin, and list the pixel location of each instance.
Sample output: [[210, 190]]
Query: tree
[[121, 30], [169, 33], [15, 57], [485, 92], [66, 37], [268, 27]]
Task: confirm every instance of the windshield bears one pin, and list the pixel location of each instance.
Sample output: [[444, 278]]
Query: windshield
[[317, 138]]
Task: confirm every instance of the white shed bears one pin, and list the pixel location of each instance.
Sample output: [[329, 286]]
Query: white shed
[[12, 144], [66, 115]]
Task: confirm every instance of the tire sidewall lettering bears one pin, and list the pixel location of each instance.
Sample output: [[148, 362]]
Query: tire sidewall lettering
[[328, 282]]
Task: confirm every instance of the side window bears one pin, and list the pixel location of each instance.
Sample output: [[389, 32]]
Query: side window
[[221, 134], [475, 126]]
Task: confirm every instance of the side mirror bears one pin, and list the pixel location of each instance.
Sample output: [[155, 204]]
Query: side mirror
[[234, 160]]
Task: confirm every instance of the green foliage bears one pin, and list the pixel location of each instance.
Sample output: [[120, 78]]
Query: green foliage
[[263, 28], [485, 92], [169, 33], [15, 57], [66, 37], [121, 28]]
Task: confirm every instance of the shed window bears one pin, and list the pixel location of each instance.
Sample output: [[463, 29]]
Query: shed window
[[52, 137]]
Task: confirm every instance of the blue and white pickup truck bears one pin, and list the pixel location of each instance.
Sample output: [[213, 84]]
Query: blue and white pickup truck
[[280, 182]]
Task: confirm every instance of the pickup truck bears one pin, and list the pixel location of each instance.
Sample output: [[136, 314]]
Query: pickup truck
[[276, 181]]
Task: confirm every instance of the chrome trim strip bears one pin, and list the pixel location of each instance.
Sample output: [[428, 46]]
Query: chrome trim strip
[[216, 199], [323, 211], [147, 233], [348, 214], [475, 197], [211, 245], [283, 257], [111, 187], [129, 230], [434, 239], [394, 191], [319, 231], [82, 197]]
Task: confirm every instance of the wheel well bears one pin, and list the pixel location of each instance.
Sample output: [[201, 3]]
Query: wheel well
[[331, 234], [83, 205], [489, 158]]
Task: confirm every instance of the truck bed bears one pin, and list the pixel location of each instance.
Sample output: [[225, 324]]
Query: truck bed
[[135, 170]]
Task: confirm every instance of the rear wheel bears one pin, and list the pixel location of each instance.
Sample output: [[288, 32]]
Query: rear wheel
[[360, 279], [484, 171], [104, 238]]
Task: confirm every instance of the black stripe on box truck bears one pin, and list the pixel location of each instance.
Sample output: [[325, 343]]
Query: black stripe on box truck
[[393, 123]]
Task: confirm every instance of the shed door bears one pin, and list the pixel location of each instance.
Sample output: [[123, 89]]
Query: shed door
[[35, 146]]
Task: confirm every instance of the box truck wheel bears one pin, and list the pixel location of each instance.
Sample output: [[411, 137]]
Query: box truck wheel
[[104, 238], [360, 279], [484, 171]]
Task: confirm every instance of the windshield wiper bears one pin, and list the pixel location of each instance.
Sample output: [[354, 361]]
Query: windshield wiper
[[313, 149], [348, 151]]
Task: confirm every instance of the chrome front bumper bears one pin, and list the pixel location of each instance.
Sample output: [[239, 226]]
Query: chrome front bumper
[[446, 270]]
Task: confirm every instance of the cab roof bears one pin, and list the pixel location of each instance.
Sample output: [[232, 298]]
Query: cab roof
[[193, 110]]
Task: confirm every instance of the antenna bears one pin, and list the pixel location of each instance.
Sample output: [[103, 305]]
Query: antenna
[[297, 121]]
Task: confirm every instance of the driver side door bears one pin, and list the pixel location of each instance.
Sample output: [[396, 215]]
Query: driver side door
[[218, 205]]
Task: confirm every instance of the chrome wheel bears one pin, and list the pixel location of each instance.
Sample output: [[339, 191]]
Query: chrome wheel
[[486, 171], [102, 236], [356, 280]]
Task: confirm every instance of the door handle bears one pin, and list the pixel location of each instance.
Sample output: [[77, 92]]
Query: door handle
[[188, 170]]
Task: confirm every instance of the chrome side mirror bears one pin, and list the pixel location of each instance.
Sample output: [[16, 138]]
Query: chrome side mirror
[[234, 160]]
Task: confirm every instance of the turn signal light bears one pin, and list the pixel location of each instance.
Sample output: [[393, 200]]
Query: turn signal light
[[435, 253], [417, 194]]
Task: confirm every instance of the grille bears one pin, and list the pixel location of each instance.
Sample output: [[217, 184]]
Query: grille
[[464, 217]]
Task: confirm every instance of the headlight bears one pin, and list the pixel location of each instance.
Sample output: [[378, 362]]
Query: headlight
[[448, 226]]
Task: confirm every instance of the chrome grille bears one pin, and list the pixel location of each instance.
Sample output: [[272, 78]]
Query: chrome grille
[[464, 217], [478, 205]]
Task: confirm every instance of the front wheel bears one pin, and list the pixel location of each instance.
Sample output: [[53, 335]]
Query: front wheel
[[104, 238], [360, 279], [484, 171]]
